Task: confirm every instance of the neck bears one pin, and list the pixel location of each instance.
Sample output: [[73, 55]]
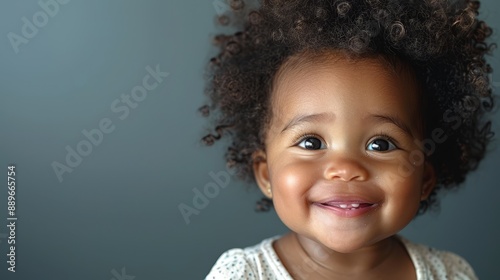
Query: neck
[[330, 264]]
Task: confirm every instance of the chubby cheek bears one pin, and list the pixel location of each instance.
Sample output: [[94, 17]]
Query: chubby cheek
[[402, 197], [291, 183]]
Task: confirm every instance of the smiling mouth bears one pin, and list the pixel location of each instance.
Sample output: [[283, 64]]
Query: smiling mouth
[[348, 206]]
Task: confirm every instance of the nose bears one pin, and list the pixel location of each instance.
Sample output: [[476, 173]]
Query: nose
[[345, 168]]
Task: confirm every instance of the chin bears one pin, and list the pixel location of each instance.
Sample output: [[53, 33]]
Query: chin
[[346, 245]]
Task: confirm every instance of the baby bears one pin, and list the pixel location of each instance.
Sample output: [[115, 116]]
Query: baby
[[350, 116]]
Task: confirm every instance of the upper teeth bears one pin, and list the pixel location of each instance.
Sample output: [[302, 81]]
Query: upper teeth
[[352, 205]]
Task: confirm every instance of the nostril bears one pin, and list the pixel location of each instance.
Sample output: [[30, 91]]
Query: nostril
[[347, 175], [345, 170]]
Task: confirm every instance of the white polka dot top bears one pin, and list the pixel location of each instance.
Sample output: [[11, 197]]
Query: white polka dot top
[[261, 262]]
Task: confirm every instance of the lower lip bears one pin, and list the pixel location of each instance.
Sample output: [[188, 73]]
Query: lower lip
[[348, 213]]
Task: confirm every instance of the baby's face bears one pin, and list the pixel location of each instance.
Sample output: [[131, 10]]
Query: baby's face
[[341, 155]]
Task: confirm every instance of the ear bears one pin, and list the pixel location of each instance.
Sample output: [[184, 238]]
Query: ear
[[261, 173], [429, 180]]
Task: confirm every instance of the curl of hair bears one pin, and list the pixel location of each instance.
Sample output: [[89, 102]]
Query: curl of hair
[[444, 42]]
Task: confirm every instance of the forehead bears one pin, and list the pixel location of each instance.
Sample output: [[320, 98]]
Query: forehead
[[318, 83]]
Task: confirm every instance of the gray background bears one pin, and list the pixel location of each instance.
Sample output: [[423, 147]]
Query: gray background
[[118, 209]]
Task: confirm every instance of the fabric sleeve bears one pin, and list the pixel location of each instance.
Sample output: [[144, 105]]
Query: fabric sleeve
[[448, 265], [232, 265]]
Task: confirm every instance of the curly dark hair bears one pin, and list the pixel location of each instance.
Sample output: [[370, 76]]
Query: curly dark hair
[[443, 42]]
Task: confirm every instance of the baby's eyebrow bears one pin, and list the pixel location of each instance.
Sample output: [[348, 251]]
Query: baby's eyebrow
[[394, 120], [309, 118], [330, 117]]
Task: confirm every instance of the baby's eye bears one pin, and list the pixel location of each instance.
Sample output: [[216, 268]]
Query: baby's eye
[[311, 143], [381, 145]]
